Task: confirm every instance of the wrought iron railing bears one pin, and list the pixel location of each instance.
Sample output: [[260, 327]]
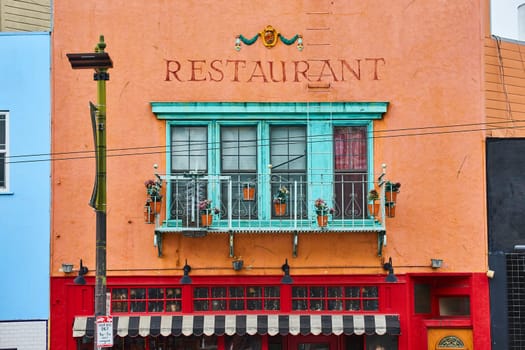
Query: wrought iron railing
[[248, 202]]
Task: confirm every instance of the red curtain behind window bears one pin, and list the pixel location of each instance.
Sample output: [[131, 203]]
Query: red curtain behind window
[[350, 148]]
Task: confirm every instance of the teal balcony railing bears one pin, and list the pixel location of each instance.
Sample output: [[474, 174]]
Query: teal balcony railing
[[197, 204]]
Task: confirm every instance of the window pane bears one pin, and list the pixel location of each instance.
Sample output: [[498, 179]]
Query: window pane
[[422, 300], [352, 305], [200, 293], [2, 170], [238, 148], [454, 306], [369, 305], [244, 342], [313, 346], [119, 298], [352, 292], [350, 148], [382, 342], [288, 148], [369, 292], [155, 299], [3, 135], [219, 298], [335, 292], [189, 148], [236, 292], [138, 293]]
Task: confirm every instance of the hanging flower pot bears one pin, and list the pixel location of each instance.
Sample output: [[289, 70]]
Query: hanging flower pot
[[149, 215], [391, 191], [206, 220], [391, 196], [322, 220], [207, 212], [373, 210], [155, 205], [322, 210], [248, 192], [390, 209], [280, 209]]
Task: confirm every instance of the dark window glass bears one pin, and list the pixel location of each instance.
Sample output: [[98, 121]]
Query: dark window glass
[[239, 161], [337, 298], [454, 306], [244, 342], [288, 160], [422, 299]]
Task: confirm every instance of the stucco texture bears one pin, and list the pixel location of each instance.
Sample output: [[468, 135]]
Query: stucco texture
[[425, 60]]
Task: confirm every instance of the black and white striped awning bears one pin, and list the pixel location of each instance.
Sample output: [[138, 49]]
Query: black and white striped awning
[[243, 324]]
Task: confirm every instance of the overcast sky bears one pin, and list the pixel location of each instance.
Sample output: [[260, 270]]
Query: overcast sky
[[504, 18]]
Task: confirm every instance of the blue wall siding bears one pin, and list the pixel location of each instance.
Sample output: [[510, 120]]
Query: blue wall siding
[[25, 210]]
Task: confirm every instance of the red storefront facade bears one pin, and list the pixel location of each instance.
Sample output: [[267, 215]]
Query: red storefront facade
[[335, 312]]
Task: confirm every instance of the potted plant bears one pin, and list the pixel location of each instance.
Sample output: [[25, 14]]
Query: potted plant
[[373, 207], [154, 193], [248, 191], [322, 210], [279, 201], [207, 212], [391, 191]]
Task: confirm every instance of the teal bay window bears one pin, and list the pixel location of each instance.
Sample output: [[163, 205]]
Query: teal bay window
[[246, 157]]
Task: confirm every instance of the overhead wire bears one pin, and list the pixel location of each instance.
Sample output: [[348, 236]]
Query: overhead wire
[[88, 154]]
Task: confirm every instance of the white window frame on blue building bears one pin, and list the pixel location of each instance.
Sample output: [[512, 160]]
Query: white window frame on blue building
[[4, 152]]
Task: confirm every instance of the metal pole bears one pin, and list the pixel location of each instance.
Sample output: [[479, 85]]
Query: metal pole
[[100, 76]]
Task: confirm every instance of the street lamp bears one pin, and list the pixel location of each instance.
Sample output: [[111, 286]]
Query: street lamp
[[100, 62]]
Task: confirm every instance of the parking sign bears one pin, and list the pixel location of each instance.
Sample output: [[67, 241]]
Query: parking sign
[[104, 331]]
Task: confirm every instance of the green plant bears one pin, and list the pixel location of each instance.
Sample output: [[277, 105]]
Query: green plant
[[281, 196], [321, 207], [206, 208], [392, 186], [153, 189], [373, 195]]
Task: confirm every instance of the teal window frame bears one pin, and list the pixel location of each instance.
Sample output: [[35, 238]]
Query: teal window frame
[[318, 117]]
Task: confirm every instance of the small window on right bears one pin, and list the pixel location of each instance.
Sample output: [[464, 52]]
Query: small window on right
[[454, 306]]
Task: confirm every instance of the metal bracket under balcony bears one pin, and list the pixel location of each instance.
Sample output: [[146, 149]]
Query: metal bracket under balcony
[[202, 232]]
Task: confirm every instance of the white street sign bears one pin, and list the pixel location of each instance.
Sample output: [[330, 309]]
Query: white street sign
[[104, 331]]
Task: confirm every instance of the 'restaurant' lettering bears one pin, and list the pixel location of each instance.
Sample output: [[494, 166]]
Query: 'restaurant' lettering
[[244, 71]]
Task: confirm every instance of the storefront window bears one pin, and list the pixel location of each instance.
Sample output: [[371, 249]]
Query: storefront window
[[381, 342], [236, 298], [182, 343], [454, 306], [145, 300], [245, 342], [318, 298], [354, 342]]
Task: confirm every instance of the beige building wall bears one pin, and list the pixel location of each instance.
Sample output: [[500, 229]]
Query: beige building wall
[[25, 16]]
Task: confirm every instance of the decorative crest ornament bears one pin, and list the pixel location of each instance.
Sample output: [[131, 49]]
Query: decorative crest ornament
[[270, 36]]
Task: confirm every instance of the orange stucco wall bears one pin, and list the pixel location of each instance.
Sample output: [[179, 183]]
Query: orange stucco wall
[[429, 67]]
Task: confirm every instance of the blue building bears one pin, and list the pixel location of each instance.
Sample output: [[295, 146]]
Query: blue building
[[24, 189]]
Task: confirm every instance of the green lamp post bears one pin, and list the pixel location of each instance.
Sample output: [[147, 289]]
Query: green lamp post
[[100, 62]]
